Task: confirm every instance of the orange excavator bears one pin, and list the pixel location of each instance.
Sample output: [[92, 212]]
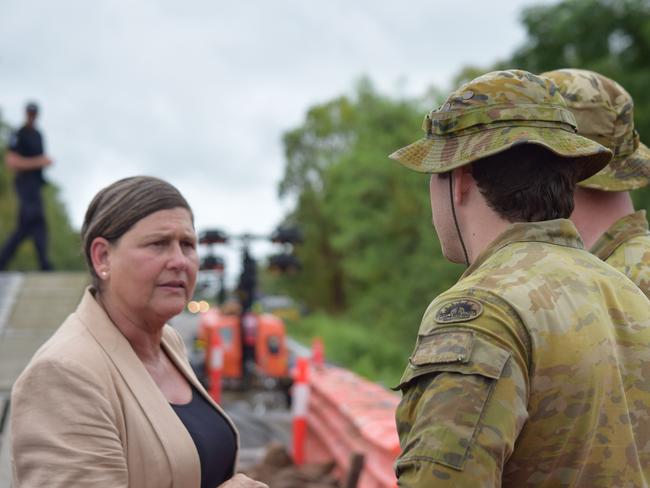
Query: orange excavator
[[263, 334], [254, 345]]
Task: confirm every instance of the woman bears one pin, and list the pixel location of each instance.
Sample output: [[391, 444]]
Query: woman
[[110, 399]]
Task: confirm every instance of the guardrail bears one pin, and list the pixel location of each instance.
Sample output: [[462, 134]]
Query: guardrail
[[348, 416], [345, 418]]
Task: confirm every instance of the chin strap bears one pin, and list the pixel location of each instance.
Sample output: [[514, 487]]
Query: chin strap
[[453, 212]]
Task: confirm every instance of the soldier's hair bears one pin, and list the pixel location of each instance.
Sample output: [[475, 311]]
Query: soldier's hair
[[119, 206], [527, 183]]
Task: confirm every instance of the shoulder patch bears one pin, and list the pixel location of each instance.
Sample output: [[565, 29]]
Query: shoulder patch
[[458, 310]]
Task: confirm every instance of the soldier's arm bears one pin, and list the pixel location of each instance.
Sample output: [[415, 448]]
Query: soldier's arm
[[464, 403], [17, 162]]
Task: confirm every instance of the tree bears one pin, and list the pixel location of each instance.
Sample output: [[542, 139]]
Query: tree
[[369, 249], [611, 37], [615, 42]]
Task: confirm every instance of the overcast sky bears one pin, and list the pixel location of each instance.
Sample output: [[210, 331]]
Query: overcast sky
[[200, 92]]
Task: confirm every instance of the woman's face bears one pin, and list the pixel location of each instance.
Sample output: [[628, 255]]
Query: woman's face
[[151, 270]]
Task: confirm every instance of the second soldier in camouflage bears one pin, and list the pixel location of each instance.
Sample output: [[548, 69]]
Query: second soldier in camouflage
[[604, 214]]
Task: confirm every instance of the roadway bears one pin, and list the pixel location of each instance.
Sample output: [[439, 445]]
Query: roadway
[[32, 306]]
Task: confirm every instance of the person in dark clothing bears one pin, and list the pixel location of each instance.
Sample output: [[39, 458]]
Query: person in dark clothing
[[247, 321], [26, 156]]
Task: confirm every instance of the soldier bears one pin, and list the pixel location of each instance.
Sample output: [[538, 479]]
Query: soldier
[[604, 213], [534, 368]]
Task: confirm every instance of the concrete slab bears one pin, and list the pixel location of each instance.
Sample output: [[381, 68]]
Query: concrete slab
[[32, 306], [37, 307]]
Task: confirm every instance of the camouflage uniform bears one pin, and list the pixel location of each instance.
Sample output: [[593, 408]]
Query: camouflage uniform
[[604, 111], [508, 348], [626, 246], [534, 369]]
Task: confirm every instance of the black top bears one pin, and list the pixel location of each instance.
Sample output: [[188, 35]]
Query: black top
[[28, 142], [214, 439]]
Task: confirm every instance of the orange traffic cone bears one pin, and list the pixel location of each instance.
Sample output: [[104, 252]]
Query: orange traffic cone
[[215, 363], [299, 405], [317, 352]]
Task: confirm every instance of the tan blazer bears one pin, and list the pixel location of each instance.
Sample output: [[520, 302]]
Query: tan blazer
[[86, 413]]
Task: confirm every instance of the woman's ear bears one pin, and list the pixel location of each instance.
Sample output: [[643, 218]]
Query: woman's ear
[[100, 255]]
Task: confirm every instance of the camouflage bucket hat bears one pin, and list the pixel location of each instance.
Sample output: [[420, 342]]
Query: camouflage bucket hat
[[493, 113], [605, 113]]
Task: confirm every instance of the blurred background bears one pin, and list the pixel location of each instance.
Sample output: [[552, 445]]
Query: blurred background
[[283, 113]]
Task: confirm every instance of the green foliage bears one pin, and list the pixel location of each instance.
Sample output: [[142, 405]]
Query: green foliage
[[64, 241], [349, 344], [370, 253], [607, 36], [64, 245]]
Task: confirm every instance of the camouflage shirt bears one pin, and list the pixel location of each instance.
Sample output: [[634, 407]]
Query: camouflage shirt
[[533, 370], [626, 246]]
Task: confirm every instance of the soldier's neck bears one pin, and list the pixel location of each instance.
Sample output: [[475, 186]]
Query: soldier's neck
[[596, 211], [480, 225]]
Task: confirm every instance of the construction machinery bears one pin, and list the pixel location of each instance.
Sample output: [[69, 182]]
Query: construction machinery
[[253, 346]]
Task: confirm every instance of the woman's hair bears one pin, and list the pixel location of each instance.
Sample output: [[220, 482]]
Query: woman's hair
[[119, 206]]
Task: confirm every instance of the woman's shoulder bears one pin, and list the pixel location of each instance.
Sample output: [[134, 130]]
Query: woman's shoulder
[[71, 347]]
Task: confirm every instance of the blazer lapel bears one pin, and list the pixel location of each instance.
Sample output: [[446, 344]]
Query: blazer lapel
[[176, 441]]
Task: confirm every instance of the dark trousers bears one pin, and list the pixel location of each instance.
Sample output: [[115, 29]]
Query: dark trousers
[[31, 223]]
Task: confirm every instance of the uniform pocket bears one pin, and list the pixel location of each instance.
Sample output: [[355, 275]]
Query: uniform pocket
[[446, 388]]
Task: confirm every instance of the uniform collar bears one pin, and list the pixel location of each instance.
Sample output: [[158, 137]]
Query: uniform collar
[[632, 225], [560, 232]]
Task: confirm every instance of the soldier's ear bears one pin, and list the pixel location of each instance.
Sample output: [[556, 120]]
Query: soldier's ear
[[463, 183]]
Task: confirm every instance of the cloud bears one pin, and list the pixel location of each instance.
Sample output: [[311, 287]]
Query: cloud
[[200, 92]]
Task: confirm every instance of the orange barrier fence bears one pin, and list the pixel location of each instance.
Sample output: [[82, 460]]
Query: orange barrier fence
[[348, 415]]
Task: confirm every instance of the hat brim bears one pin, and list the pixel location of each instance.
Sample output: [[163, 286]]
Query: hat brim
[[624, 174], [436, 154]]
